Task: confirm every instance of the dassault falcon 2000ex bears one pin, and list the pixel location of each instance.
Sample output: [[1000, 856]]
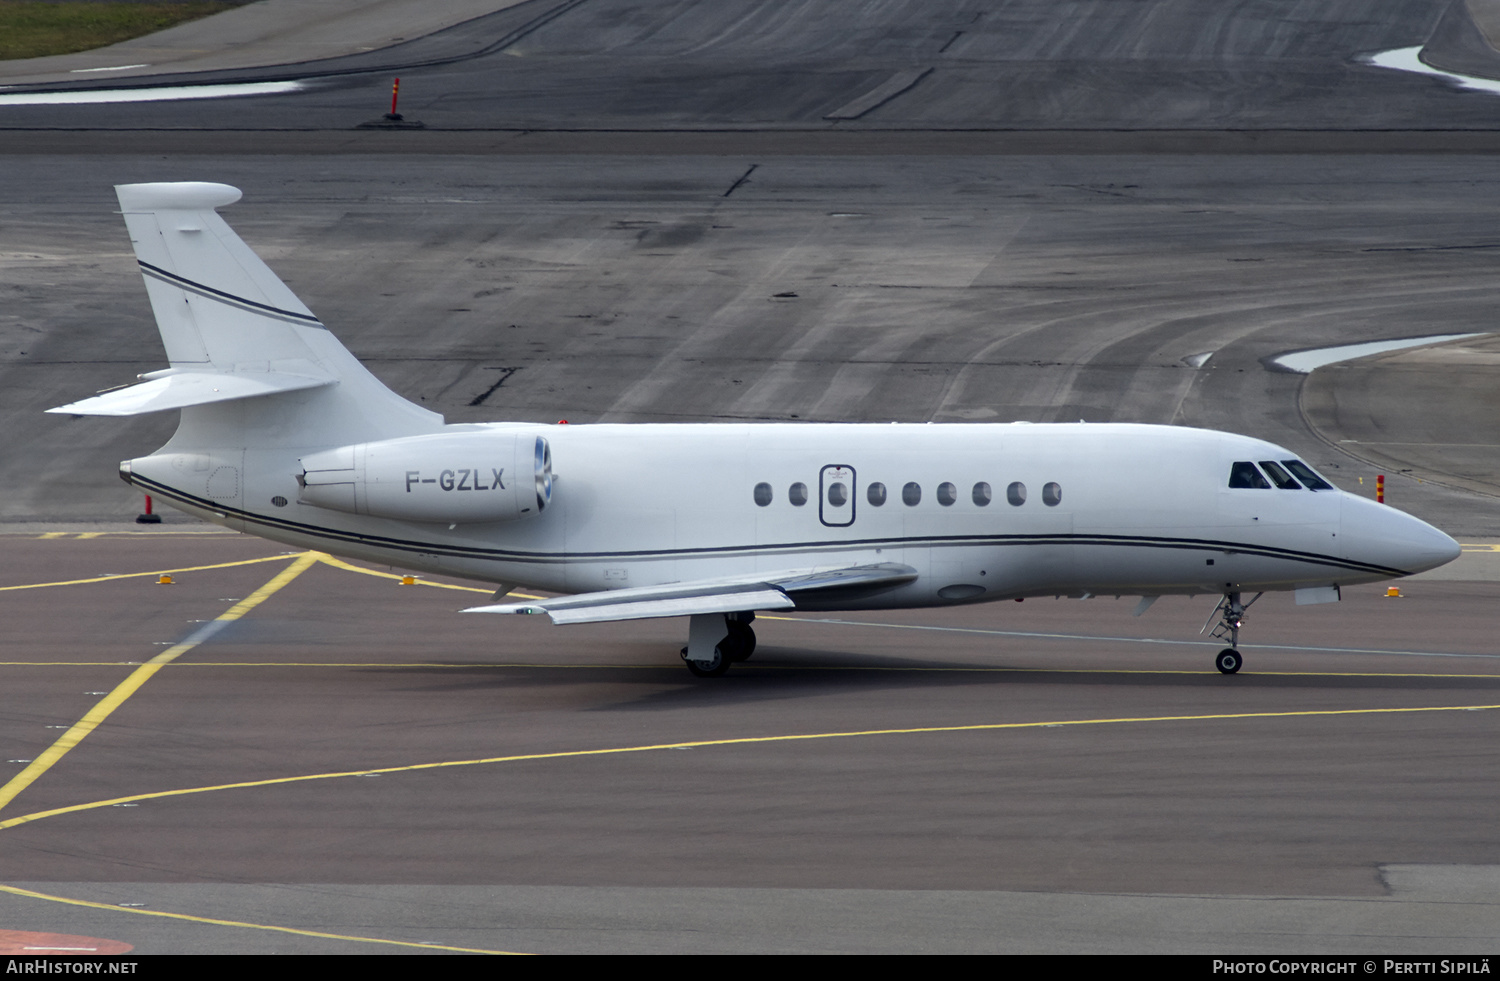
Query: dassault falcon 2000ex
[[284, 434]]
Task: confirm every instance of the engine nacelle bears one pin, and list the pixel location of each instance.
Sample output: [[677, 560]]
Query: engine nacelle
[[468, 477]]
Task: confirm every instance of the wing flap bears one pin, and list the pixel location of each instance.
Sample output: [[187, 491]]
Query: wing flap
[[645, 602], [761, 599], [710, 596]]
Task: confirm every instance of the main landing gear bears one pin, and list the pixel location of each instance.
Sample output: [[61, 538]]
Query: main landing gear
[[717, 640], [1231, 613]]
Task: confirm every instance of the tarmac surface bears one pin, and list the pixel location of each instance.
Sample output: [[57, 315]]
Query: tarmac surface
[[602, 222], [354, 760], [267, 32], [610, 288], [916, 65]]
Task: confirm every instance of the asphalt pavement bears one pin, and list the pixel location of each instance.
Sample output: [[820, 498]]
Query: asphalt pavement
[[630, 211]]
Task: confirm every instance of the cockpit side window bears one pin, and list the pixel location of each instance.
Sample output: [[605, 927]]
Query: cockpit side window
[[1309, 478], [1278, 476], [1243, 475]]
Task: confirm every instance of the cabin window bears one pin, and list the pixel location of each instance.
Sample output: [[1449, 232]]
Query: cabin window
[[1052, 494], [1278, 476], [1016, 494], [947, 494], [797, 494], [911, 494], [1244, 476], [763, 494], [1309, 478], [875, 494], [838, 495], [982, 494]]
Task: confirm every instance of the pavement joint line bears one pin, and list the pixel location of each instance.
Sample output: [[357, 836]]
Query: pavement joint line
[[75, 535], [137, 575], [989, 631], [735, 741], [210, 921], [913, 669], [102, 710]]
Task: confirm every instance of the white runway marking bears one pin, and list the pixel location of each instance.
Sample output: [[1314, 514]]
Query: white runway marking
[[110, 68], [1406, 60], [161, 94], [1305, 361]]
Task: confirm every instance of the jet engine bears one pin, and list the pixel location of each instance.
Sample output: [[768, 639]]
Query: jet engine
[[468, 477]]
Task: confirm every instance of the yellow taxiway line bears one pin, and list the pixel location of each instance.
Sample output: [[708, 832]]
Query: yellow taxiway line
[[30, 894], [142, 674], [738, 741], [133, 575]]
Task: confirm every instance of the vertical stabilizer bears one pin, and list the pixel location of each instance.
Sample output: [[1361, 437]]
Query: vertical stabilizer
[[250, 363], [215, 301]]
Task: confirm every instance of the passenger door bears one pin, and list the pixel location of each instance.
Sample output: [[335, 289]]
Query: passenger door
[[836, 496]]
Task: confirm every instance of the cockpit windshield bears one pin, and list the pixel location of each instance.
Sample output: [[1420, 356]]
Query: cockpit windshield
[[1245, 475], [1304, 473], [1278, 476]]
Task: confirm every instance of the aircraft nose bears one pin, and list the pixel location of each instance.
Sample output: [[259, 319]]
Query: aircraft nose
[[1380, 535]]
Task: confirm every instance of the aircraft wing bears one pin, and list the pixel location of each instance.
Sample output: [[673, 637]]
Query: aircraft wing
[[777, 591]]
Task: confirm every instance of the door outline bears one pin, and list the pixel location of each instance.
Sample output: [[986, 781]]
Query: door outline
[[844, 474]]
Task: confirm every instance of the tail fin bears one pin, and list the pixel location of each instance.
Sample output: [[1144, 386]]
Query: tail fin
[[231, 328], [215, 301]]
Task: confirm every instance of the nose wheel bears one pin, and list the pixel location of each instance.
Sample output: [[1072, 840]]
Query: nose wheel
[[1231, 614]]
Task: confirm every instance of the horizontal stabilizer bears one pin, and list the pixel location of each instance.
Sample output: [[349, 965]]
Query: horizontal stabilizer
[[721, 596], [190, 388]]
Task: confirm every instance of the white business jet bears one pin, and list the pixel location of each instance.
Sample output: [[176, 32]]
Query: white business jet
[[285, 435]]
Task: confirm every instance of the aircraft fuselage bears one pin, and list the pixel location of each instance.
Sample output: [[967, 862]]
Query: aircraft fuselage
[[979, 511]]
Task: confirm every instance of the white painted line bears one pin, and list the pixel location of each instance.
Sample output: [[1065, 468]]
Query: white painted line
[[1303, 362], [111, 68], [1406, 60], [162, 94]]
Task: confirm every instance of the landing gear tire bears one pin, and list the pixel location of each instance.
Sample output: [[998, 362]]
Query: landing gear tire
[[1228, 661], [708, 669], [740, 643]]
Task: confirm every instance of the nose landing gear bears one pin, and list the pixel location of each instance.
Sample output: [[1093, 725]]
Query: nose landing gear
[[1231, 613]]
